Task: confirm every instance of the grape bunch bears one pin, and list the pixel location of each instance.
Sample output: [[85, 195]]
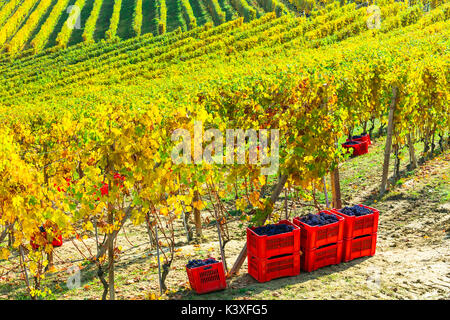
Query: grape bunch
[[273, 229], [319, 219], [200, 263], [359, 136], [355, 211]]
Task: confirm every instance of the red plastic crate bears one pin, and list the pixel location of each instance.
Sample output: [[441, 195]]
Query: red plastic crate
[[270, 246], [320, 257], [263, 269], [318, 236], [207, 278], [362, 138], [359, 247], [57, 242], [358, 226], [362, 147]]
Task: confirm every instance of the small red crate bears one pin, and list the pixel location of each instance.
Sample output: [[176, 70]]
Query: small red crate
[[270, 246], [263, 269], [207, 278], [360, 148], [362, 138], [359, 247], [318, 236], [358, 226], [320, 257], [57, 242]]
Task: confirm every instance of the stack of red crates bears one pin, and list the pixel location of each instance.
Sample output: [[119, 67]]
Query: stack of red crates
[[320, 245], [207, 278], [358, 147], [360, 234], [271, 257]]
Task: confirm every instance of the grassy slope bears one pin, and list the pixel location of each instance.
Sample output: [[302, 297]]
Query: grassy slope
[[125, 28]]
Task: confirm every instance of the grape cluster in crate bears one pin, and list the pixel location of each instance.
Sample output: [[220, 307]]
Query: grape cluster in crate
[[308, 243], [272, 255], [206, 275]]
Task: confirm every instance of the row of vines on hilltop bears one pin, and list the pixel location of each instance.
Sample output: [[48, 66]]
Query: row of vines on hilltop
[[137, 18], [89, 158], [114, 21], [63, 37], [19, 20], [307, 32], [244, 9], [274, 6], [216, 11], [189, 14], [22, 27], [42, 37]]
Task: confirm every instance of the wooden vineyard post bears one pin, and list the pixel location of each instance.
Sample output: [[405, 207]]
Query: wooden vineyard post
[[336, 188], [387, 149], [273, 198]]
